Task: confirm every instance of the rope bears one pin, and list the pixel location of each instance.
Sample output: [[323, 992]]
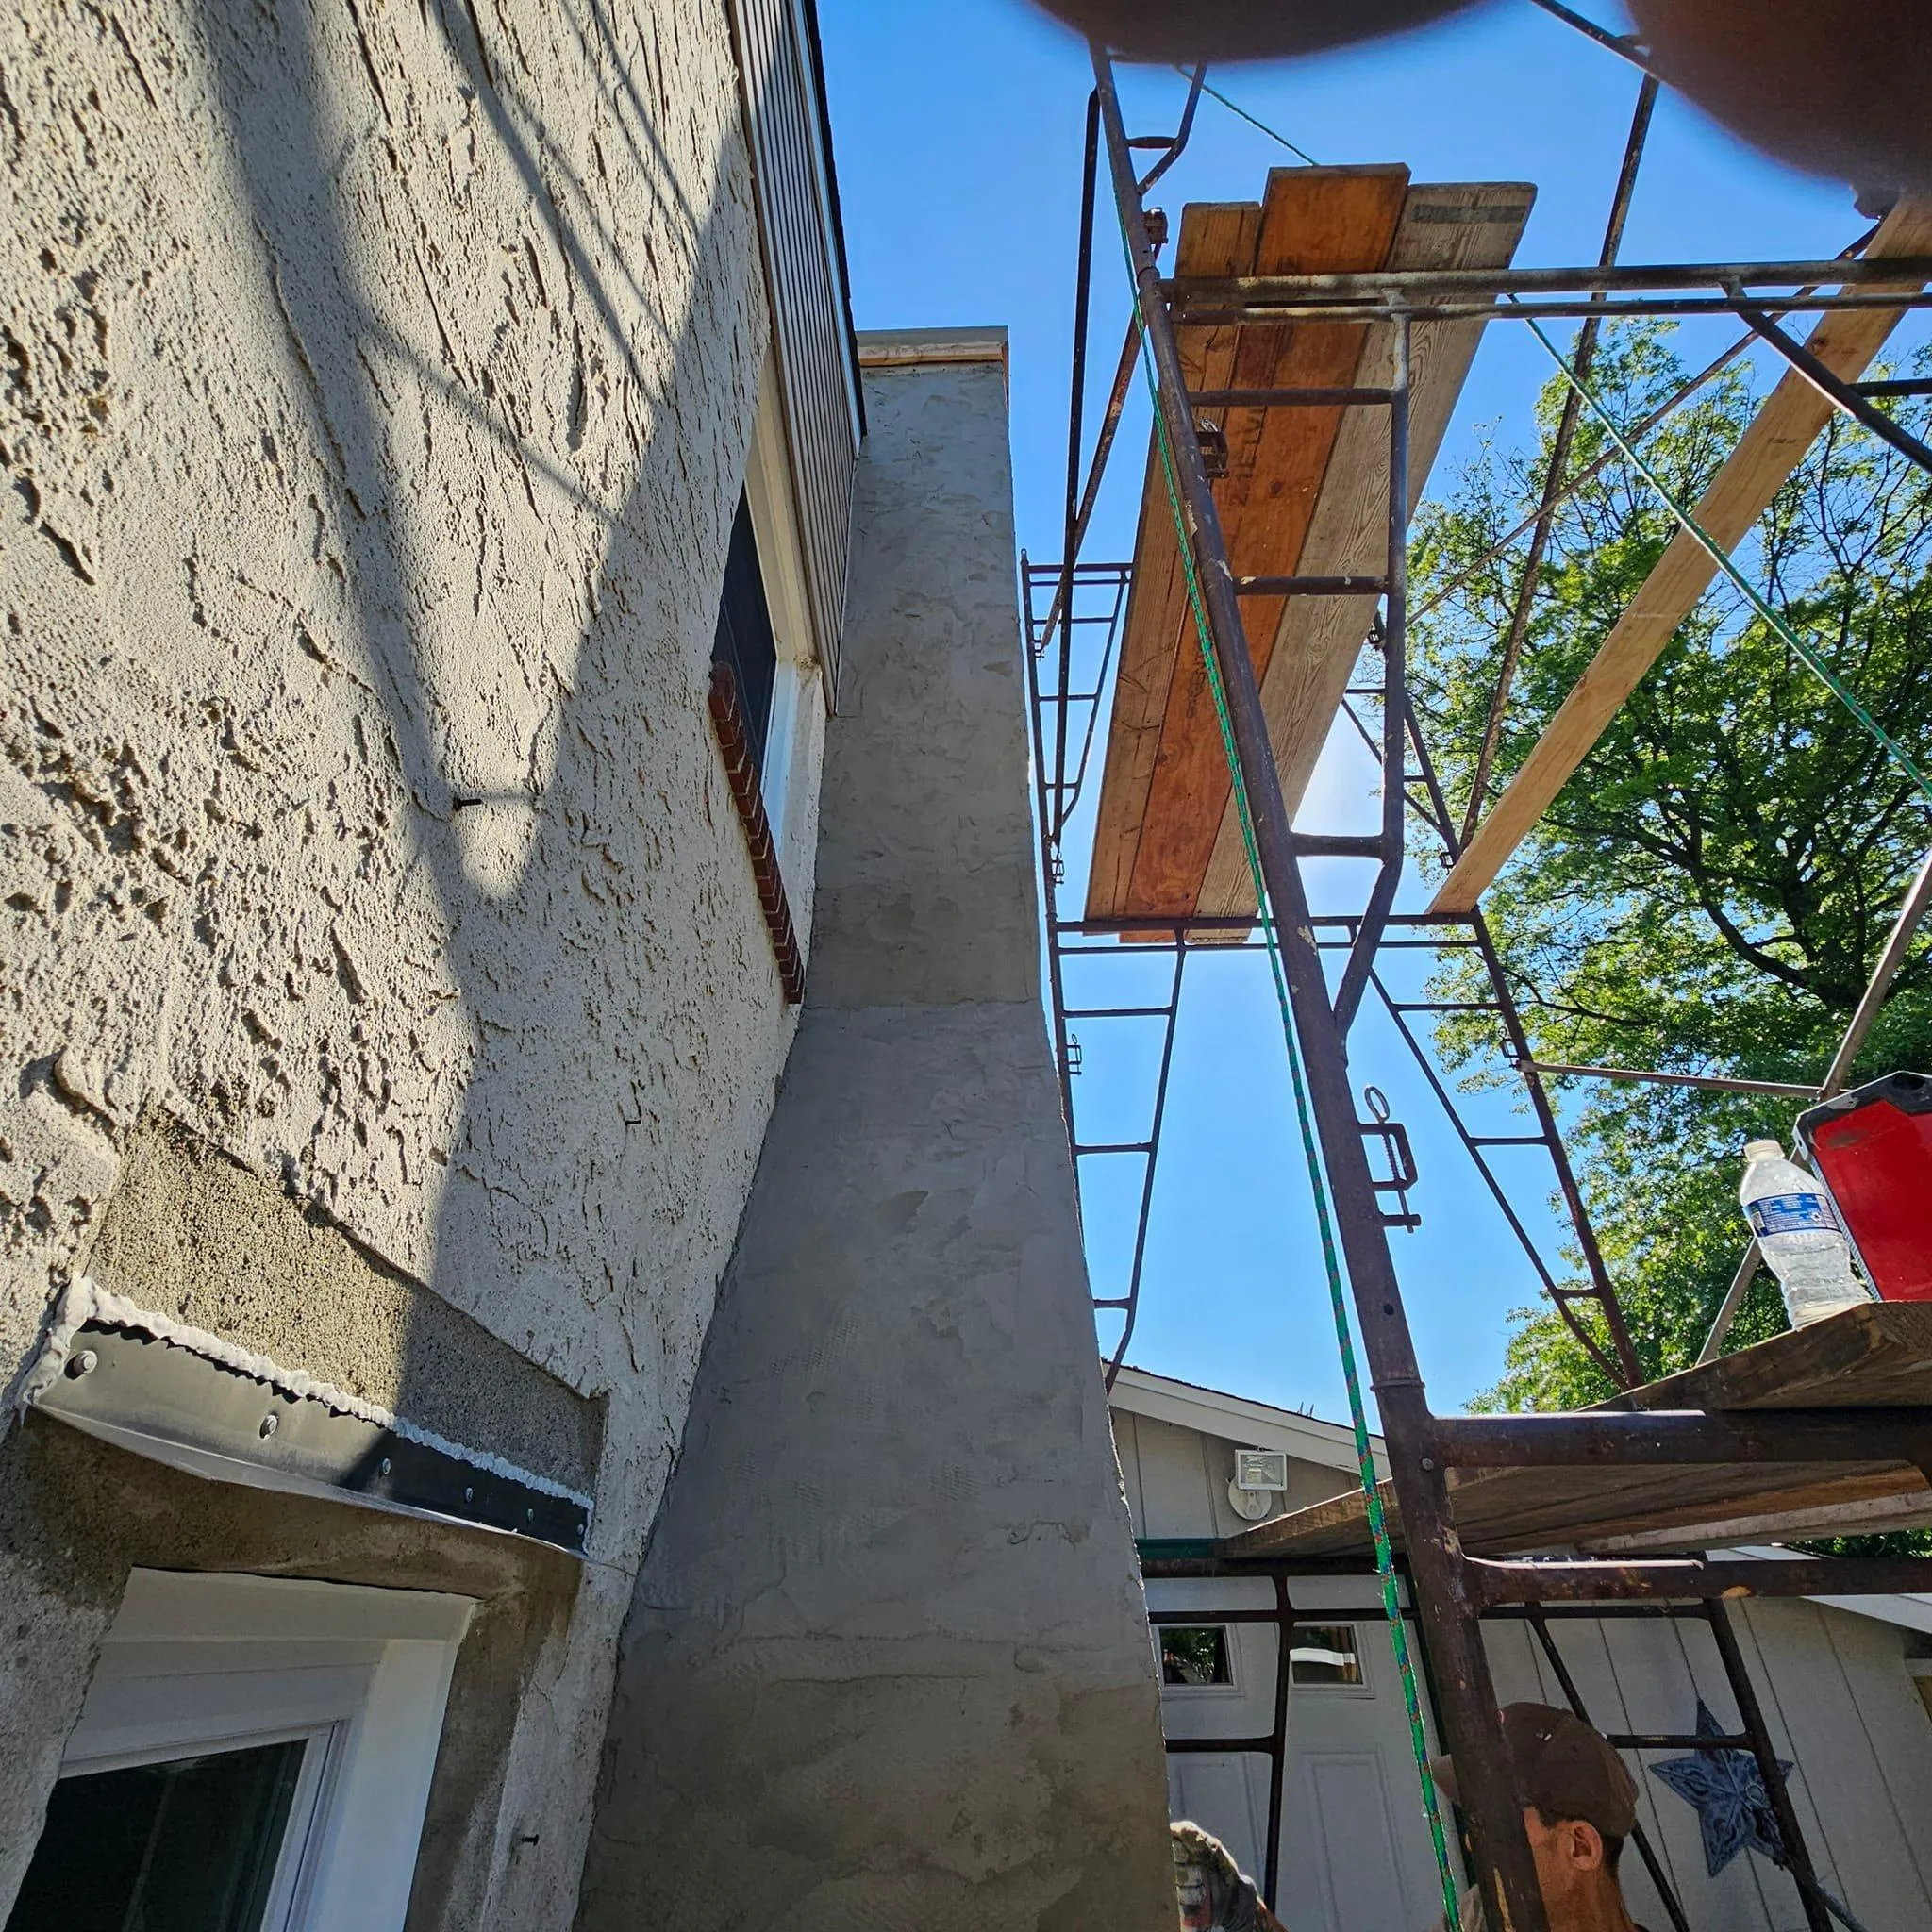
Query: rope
[[1806, 653], [1365, 1466]]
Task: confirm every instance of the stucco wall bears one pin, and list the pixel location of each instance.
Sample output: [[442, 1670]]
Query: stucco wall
[[373, 400], [888, 1663]]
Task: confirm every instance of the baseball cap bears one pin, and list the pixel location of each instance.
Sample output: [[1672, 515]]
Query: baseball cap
[[1562, 1767]]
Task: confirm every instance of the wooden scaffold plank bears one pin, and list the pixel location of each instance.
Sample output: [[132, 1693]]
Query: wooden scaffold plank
[[1879, 1356], [1215, 238], [1445, 225], [1313, 221]]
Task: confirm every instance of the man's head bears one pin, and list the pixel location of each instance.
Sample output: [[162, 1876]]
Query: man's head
[[1579, 1803]]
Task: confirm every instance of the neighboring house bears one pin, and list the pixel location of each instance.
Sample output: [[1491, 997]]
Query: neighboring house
[[1843, 1684], [483, 641]]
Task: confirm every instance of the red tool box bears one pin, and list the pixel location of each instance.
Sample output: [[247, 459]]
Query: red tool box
[[1873, 1149]]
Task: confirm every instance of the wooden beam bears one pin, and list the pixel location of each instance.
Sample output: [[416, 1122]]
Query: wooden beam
[[1770, 448], [1445, 225]]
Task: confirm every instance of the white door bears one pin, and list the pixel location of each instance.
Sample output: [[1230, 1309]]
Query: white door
[[1356, 1853]]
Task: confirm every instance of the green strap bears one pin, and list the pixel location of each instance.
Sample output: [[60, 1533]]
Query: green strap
[[1378, 1526]]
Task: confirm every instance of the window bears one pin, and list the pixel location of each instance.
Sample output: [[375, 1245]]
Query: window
[[1324, 1653], [1194, 1653], [746, 642], [198, 1842], [254, 1756]]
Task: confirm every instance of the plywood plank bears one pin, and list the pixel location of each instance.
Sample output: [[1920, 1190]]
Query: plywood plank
[[1313, 221], [1451, 225], [1216, 238], [1770, 448], [1877, 1356]]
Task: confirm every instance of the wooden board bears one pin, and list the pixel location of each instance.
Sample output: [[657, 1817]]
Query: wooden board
[[1450, 224], [1216, 238], [1874, 1357], [1770, 448], [1160, 802], [1880, 1355]]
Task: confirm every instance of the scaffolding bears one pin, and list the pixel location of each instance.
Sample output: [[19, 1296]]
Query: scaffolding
[[1478, 1500]]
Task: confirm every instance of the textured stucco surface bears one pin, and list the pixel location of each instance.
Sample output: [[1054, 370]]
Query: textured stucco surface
[[192, 1235], [375, 382], [888, 1663]]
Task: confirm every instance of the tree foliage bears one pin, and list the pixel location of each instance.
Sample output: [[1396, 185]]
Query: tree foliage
[[1710, 889]]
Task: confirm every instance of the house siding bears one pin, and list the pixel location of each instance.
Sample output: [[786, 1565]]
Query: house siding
[[376, 401]]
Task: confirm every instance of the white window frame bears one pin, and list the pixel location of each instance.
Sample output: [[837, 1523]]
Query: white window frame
[[1230, 1648], [1312, 1618], [196, 1662], [781, 565]]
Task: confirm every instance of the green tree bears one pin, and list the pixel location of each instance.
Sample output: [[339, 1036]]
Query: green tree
[[1711, 888]]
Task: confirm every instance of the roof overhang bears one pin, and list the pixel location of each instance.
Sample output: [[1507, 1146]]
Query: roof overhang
[[1234, 1419]]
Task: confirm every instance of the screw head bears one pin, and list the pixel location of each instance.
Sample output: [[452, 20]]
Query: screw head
[[85, 1363], [468, 1495], [385, 1465], [269, 1426], [1428, 1463]]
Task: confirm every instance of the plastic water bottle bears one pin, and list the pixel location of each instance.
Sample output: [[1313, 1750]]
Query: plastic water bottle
[[1799, 1234]]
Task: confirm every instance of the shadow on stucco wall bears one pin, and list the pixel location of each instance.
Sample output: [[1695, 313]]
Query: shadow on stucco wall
[[541, 1024]]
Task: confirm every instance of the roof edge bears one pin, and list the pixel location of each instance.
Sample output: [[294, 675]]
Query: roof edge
[[1236, 1419]]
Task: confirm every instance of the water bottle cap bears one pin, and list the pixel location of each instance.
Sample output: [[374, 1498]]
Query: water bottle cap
[[1763, 1150]]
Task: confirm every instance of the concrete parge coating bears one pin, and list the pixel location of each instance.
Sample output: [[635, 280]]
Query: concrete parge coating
[[374, 398], [888, 1662]]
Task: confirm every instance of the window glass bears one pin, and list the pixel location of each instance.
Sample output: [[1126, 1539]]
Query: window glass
[[1324, 1653], [188, 1846], [745, 639], [1194, 1653]]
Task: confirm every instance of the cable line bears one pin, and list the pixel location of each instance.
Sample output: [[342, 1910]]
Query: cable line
[[1235, 107]]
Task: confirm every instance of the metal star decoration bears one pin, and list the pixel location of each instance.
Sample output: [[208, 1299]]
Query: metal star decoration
[[1728, 1788]]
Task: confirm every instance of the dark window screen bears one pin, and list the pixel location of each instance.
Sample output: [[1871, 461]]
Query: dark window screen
[[1195, 1655], [184, 1847], [745, 640]]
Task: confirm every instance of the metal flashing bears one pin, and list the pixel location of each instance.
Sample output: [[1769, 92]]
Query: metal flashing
[[176, 1396]]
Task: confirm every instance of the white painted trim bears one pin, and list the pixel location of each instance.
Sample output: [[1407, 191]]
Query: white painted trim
[[785, 783], [774, 522], [200, 1660], [781, 748], [1236, 1686], [1232, 1419]]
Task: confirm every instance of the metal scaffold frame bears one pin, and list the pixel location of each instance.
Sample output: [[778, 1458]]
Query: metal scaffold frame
[[1452, 1591]]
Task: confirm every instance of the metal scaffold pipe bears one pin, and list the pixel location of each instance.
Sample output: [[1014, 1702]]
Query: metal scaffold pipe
[[1466, 1695]]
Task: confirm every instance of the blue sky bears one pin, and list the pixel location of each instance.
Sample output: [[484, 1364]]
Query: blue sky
[[957, 133]]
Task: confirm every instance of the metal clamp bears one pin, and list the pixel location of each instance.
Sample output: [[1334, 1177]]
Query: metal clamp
[[1403, 1173]]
